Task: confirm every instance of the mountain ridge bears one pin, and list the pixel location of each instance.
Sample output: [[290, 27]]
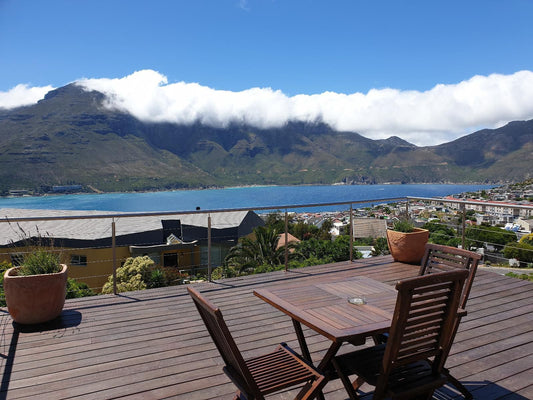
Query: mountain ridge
[[69, 137]]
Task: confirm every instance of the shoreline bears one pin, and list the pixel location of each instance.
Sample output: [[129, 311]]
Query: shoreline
[[99, 192]]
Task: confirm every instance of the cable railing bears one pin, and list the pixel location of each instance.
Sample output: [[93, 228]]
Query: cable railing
[[111, 238]]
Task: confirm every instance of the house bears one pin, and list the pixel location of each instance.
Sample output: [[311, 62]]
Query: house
[[183, 241], [369, 227], [337, 228], [526, 225], [290, 239]]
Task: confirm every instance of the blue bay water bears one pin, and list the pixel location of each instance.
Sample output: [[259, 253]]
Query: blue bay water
[[227, 198]]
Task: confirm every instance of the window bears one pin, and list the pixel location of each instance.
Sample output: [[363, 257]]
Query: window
[[170, 260], [78, 260]]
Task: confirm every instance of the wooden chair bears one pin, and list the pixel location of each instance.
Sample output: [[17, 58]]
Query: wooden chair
[[422, 324], [262, 375], [445, 258]]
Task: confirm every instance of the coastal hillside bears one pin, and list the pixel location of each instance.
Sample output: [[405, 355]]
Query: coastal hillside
[[69, 138]]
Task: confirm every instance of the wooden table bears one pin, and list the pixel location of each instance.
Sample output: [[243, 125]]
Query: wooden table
[[324, 307]]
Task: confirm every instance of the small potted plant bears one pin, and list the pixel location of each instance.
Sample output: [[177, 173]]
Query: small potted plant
[[407, 243], [35, 291]]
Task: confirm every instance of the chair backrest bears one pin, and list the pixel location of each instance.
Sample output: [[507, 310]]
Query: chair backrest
[[447, 258], [423, 321], [235, 365]]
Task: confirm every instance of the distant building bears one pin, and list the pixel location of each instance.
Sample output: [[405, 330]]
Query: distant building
[[525, 225], [179, 241], [290, 239], [18, 192], [369, 227]]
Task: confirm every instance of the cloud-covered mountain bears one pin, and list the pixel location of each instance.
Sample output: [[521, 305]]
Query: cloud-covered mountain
[[74, 136], [438, 115]]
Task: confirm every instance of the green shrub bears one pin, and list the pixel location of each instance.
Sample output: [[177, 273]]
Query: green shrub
[[381, 247], [522, 251], [77, 289], [403, 225], [528, 239], [39, 262], [157, 279], [133, 275], [526, 277]]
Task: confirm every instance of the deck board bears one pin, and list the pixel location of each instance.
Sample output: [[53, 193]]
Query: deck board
[[153, 345]]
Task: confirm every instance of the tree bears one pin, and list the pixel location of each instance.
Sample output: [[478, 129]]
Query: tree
[[477, 236], [326, 251], [439, 233], [304, 231], [381, 247], [325, 229], [275, 220], [522, 251], [253, 252]]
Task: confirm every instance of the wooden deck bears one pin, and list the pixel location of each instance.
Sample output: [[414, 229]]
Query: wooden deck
[[153, 345]]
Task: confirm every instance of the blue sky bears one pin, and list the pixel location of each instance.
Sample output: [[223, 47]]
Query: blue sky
[[401, 51]]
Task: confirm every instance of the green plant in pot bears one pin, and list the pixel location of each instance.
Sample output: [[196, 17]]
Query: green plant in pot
[[406, 242], [35, 291]]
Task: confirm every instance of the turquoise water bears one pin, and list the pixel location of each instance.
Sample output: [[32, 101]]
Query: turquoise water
[[242, 197]]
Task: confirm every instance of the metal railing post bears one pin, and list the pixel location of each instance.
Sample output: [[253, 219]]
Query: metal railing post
[[286, 240], [209, 247], [463, 225], [114, 251], [351, 232]]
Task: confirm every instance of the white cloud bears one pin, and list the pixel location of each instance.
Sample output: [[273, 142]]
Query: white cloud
[[22, 95], [438, 115]]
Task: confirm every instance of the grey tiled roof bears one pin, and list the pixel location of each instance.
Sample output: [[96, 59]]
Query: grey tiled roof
[[92, 229]]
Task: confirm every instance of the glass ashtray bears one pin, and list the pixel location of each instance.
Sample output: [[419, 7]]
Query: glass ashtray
[[357, 300]]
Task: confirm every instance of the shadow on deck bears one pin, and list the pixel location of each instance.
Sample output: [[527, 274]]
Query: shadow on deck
[[152, 344]]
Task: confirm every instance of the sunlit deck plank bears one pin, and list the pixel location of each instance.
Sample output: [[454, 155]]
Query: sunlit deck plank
[[152, 344]]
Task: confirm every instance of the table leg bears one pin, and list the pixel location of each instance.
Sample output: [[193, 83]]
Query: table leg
[[301, 340], [325, 364]]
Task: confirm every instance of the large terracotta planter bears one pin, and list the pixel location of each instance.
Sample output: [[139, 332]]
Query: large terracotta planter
[[407, 247], [34, 299]]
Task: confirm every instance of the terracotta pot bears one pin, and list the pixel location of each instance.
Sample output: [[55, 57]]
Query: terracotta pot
[[407, 247], [34, 299]]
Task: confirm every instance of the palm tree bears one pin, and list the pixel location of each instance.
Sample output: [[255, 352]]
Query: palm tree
[[253, 252]]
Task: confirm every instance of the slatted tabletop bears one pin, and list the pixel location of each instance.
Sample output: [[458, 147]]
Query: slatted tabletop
[[326, 307], [153, 345]]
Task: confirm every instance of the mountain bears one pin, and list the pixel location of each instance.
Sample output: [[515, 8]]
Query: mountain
[[70, 138]]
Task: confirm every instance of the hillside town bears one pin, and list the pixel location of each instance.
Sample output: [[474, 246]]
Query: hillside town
[[508, 207]]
